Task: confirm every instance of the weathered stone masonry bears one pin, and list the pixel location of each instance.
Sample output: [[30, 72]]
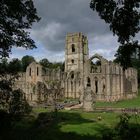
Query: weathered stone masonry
[[106, 79]]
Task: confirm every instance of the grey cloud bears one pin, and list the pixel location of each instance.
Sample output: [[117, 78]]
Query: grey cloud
[[62, 16], [71, 16]]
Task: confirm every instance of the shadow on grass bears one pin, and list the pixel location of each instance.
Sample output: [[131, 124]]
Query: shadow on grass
[[48, 127]]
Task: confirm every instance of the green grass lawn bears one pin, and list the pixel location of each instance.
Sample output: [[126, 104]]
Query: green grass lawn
[[70, 125], [88, 123], [131, 103]]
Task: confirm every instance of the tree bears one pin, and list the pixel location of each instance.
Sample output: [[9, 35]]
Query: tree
[[45, 63], [15, 17], [124, 54], [123, 18], [56, 65], [3, 66], [12, 101], [26, 60], [18, 105], [15, 65]]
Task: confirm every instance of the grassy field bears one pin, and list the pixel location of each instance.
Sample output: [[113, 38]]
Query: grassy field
[[88, 123], [69, 125], [132, 103]]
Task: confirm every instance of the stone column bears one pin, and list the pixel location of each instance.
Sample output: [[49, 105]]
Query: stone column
[[88, 99]]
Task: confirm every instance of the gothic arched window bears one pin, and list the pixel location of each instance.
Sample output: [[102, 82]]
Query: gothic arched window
[[30, 72], [96, 85], [73, 47], [71, 86], [37, 71], [88, 82], [72, 76]]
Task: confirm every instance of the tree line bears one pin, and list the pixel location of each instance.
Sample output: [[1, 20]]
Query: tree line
[[20, 65]]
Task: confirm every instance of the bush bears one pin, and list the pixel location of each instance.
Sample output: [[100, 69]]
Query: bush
[[5, 120], [14, 104], [44, 120], [18, 105], [124, 130]]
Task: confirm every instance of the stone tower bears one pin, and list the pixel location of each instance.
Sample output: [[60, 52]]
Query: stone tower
[[76, 52], [76, 56]]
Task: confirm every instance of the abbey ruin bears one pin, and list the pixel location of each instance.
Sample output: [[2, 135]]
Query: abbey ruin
[[106, 80]]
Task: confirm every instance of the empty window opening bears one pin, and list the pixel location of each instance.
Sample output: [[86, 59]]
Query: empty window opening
[[96, 65], [30, 72], [72, 76], [96, 86], [72, 61], [79, 83], [71, 86], [88, 82], [103, 87], [73, 48], [96, 61], [37, 71]]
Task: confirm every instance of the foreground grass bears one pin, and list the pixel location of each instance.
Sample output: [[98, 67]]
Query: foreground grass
[[89, 124], [131, 103], [70, 125]]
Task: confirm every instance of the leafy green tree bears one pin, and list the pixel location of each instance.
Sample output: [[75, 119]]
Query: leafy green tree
[[126, 58], [52, 65], [125, 129], [18, 105], [12, 101], [3, 66], [15, 17], [15, 65], [123, 18], [26, 60], [56, 65], [45, 63]]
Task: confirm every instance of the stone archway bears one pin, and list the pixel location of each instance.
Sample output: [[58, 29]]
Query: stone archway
[[95, 64]]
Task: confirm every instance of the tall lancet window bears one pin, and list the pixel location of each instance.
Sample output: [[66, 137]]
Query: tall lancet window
[[30, 71], [37, 71], [73, 48]]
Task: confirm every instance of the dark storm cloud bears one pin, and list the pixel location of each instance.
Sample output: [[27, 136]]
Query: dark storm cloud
[[62, 16]]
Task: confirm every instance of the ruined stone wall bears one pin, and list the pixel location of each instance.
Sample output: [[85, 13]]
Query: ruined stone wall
[[53, 74], [72, 83], [34, 81], [107, 80], [21, 82], [130, 83]]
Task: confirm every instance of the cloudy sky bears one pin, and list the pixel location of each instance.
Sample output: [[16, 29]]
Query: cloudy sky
[[58, 17]]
